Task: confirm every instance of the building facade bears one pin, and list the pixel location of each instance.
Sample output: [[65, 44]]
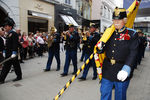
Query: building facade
[[29, 15], [36, 15], [9, 8], [102, 12]]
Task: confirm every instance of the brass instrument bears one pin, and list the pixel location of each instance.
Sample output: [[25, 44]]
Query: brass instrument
[[65, 33], [51, 36], [85, 35]]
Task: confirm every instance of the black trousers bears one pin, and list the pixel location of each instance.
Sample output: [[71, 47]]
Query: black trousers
[[40, 50], [7, 67], [25, 51]]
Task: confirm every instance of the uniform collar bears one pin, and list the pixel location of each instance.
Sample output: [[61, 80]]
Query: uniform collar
[[10, 31]]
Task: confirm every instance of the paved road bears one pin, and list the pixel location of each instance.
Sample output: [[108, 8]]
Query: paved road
[[39, 85]]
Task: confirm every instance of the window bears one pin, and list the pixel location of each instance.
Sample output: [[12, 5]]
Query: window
[[104, 11], [67, 1], [109, 14]]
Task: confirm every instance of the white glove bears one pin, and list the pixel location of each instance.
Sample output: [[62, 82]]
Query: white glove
[[122, 75], [13, 56], [4, 55]]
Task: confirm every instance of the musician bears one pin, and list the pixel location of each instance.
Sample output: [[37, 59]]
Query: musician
[[12, 40], [90, 42], [72, 39], [53, 49]]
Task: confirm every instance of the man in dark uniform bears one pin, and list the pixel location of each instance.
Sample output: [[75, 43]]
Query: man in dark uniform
[[54, 49], [141, 46], [72, 40], [121, 51], [144, 45], [11, 51], [92, 39]]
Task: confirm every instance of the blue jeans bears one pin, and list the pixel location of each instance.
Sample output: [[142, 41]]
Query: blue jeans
[[51, 54], [120, 89], [70, 55], [86, 69]]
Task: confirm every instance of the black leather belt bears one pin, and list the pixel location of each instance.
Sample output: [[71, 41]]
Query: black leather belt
[[113, 61]]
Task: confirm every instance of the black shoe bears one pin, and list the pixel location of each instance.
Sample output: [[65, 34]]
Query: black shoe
[[82, 78], [94, 78], [17, 79], [57, 69], [81, 60], [2, 82], [21, 61], [63, 74], [46, 70]]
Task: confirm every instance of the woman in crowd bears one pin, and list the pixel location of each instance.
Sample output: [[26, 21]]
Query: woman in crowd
[[25, 44], [1, 45]]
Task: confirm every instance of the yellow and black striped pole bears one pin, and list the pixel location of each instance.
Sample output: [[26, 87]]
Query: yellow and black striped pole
[[98, 66], [73, 77]]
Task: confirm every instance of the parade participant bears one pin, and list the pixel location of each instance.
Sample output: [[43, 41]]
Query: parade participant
[[92, 39], [144, 45], [11, 51], [121, 51], [72, 39], [54, 49], [141, 46]]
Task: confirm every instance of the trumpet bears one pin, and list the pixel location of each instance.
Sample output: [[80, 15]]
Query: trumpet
[[64, 34], [85, 35]]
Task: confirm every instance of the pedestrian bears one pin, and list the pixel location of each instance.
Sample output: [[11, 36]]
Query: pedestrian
[[11, 51], [121, 50], [30, 47], [90, 42], [40, 45], [72, 39], [53, 49], [20, 52]]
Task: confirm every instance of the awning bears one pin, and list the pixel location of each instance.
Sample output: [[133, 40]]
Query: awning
[[69, 20]]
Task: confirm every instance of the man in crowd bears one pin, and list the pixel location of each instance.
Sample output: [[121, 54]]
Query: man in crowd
[[40, 44]]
